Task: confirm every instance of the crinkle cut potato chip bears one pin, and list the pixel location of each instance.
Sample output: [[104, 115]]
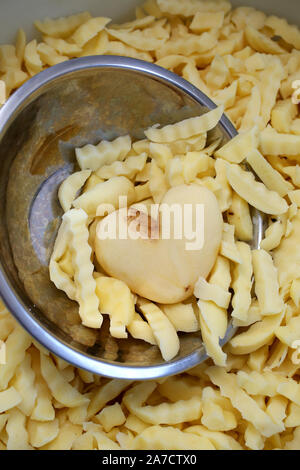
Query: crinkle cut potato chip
[[247, 396]]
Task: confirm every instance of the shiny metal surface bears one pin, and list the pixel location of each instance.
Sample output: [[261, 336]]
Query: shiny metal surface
[[74, 103]]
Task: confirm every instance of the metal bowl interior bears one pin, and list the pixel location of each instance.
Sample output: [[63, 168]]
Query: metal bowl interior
[[78, 102]]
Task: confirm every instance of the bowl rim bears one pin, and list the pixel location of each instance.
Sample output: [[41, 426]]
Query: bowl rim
[[10, 297]]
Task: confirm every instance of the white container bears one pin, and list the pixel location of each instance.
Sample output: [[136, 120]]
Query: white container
[[16, 13]]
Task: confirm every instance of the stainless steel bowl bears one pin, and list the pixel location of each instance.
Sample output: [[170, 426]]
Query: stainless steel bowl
[[77, 102]]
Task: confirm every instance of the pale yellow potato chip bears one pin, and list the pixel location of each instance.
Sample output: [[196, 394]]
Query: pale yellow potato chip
[[62, 279], [251, 117], [108, 392], [70, 187], [268, 175], [41, 434], [260, 383], [173, 61], [62, 391], [130, 167], [48, 55], [7, 325], [290, 333], [66, 264], [243, 402], [243, 16], [192, 74], [242, 283], [220, 440], [227, 96], [24, 383], [67, 434], [32, 59], [294, 173], [273, 236], [140, 329], [17, 433], [237, 112], [256, 336], [12, 79], [174, 172], [253, 438], [63, 47], [197, 163], [9, 398], [43, 408], [276, 409], [228, 246], [295, 127], [224, 194], [295, 292], [213, 325], [261, 43], [204, 21], [239, 216], [283, 115], [207, 291], [8, 58], [187, 128], [290, 389], [236, 150], [165, 413], [256, 62], [266, 283], [16, 344], [294, 443], [294, 197], [161, 153], [20, 45], [88, 30], [111, 416], [106, 196], [140, 23], [103, 442], [78, 414], [76, 220], [163, 330], [133, 423], [182, 316], [158, 183], [189, 44], [61, 27], [254, 192], [217, 75], [274, 143], [293, 416], [270, 82], [125, 439], [258, 358], [180, 388], [2, 351], [138, 39], [277, 356], [191, 7], [160, 438], [92, 157], [143, 194], [117, 301], [289, 33], [215, 416], [118, 48]]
